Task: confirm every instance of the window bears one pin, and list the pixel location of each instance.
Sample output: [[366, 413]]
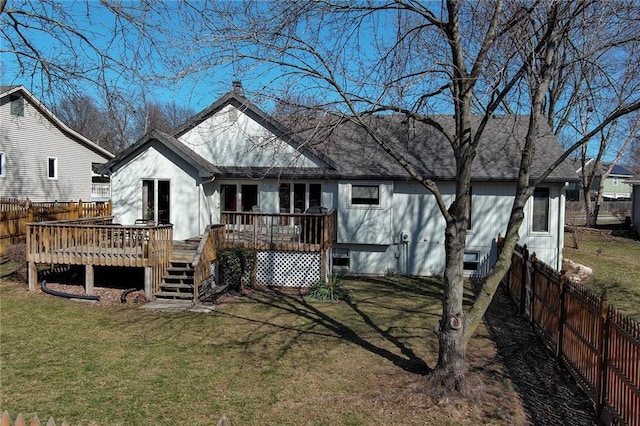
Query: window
[[3, 164], [540, 217], [228, 198], [298, 197], [365, 195], [615, 181], [249, 197], [470, 261], [341, 258], [52, 168], [17, 105]]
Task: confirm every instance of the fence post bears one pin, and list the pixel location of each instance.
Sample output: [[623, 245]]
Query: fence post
[[532, 294], [30, 212], [603, 349], [523, 279], [562, 315]]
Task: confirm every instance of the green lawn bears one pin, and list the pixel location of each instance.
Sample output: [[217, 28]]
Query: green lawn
[[616, 265], [265, 359]]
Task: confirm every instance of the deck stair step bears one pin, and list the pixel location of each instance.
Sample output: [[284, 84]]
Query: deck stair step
[[177, 282]]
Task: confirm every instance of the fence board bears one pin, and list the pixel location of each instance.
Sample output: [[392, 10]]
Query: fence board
[[597, 343], [15, 214]]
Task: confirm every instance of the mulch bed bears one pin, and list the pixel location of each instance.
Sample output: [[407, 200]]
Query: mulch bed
[[548, 391]]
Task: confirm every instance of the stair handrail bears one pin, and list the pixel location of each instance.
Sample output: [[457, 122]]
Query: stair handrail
[[206, 254]]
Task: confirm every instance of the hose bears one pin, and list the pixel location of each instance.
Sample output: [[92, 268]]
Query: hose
[[44, 288], [123, 296]]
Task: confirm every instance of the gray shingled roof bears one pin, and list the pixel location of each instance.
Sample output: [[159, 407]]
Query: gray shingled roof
[[349, 153], [428, 151]]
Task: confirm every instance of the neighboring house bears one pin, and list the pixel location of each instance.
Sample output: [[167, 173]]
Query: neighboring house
[[41, 158], [614, 184], [635, 203], [234, 157]]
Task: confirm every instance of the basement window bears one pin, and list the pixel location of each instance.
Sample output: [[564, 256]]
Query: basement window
[[471, 261], [341, 258]]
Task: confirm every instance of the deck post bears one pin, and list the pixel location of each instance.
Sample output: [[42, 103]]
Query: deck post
[[32, 274], [148, 279], [88, 279]]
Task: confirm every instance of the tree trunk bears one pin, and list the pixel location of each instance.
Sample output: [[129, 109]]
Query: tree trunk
[[450, 372]]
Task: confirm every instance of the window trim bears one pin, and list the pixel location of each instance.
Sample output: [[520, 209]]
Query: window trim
[[365, 205], [3, 164], [532, 211], [55, 168]]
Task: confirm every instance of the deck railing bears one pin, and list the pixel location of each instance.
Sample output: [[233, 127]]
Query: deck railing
[[283, 231], [206, 254], [97, 242]]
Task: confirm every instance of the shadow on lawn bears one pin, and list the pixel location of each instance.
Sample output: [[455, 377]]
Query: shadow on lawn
[[333, 327]]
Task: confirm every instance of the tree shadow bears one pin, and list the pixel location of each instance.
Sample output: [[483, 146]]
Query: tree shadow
[[321, 323]]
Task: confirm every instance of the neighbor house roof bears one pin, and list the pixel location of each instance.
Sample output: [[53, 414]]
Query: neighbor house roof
[[21, 90]]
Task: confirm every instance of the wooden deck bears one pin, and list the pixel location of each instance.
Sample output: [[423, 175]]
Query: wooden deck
[[99, 242]]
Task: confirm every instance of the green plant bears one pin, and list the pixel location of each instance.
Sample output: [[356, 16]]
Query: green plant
[[237, 265], [390, 272], [332, 289]]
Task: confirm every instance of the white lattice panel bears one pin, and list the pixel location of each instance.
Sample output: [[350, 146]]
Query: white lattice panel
[[288, 268]]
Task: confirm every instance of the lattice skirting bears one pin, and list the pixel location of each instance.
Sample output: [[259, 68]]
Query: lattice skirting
[[288, 268]]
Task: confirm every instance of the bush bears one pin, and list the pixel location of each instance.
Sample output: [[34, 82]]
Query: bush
[[236, 266], [331, 289]]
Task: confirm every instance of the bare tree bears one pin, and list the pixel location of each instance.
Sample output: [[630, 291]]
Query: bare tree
[[595, 75], [117, 51], [419, 58]]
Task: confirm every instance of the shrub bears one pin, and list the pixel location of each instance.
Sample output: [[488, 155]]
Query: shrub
[[236, 266], [331, 289]]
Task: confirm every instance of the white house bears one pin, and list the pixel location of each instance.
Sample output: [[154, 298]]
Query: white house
[[234, 157], [41, 158]]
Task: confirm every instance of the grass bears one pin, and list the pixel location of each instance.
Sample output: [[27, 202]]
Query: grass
[[265, 359], [616, 265]]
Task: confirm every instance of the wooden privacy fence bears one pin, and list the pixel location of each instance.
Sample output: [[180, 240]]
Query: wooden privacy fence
[[597, 343], [15, 214]]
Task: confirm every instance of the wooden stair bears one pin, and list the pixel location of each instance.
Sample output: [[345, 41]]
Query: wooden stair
[[177, 283]]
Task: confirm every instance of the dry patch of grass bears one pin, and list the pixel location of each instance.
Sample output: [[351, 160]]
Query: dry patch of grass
[[616, 265], [264, 359]]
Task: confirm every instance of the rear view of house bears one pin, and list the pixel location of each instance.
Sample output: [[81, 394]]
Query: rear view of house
[[41, 158], [233, 160]]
